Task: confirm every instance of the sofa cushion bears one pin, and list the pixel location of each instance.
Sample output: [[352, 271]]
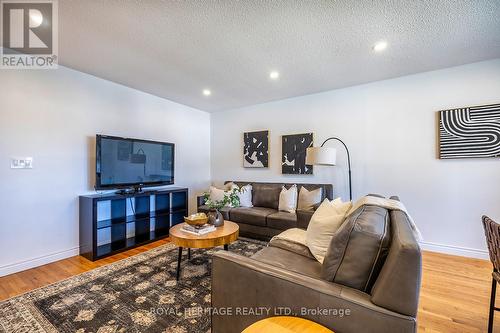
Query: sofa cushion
[[282, 220], [326, 220], [266, 195], [358, 249], [289, 260], [224, 211], [253, 215], [257, 231]]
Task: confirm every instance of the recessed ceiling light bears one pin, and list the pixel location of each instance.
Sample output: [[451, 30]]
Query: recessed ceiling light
[[274, 75], [207, 92], [380, 46]]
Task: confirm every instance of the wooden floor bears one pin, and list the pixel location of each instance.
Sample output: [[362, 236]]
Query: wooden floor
[[454, 296]]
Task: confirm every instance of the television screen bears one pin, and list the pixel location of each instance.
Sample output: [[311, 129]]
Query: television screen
[[123, 162]]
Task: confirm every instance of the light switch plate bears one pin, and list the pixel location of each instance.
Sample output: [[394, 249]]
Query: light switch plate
[[21, 163]]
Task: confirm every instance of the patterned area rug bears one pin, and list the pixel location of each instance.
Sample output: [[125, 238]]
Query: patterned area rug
[[137, 294]]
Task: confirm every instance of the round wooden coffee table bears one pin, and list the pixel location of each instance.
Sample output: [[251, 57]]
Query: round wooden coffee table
[[223, 235], [285, 324]]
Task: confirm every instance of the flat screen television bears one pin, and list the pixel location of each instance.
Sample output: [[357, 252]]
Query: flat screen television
[[133, 163]]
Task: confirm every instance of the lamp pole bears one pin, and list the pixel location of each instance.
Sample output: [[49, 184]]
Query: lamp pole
[[348, 161]]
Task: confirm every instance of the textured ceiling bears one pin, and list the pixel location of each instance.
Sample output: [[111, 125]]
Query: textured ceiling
[[175, 49]]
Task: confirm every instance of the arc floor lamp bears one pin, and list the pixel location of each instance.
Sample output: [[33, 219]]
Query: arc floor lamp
[[328, 156]]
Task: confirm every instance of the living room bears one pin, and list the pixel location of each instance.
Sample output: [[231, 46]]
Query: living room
[[312, 140]]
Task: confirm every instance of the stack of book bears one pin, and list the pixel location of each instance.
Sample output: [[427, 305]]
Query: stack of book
[[198, 230]]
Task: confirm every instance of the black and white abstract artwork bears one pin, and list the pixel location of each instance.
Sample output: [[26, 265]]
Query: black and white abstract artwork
[[293, 154], [256, 149], [470, 132]]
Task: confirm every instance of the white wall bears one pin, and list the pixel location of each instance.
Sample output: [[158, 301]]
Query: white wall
[[53, 116], [391, 129]]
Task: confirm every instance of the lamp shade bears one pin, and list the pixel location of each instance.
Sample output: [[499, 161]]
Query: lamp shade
[[321, 156]]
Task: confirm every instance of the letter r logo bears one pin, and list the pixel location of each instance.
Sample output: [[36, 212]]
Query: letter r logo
[[27, 27]]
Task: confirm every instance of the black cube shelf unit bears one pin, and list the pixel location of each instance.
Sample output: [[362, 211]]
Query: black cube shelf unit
[[111, 223]]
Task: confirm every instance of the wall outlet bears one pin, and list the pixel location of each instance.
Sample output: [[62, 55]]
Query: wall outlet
[[21, 163]]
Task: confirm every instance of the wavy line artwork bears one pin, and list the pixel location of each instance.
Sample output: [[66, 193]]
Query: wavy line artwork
[[470, 132]]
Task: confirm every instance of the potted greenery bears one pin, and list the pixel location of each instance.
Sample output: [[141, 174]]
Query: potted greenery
[[231, 199]]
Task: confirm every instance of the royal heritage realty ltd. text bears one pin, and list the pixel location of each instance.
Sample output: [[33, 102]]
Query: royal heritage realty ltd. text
[[250, 311]]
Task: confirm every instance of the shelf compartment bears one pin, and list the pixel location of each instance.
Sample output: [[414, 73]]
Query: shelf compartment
[[118, 210], [117, 246], [162, 203], [179, 201], [129, 219], [109, 248], [162, 222], [142, 207], [142, 227], [118, 233]]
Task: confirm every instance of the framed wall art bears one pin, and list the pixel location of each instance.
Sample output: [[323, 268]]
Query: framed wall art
[[470, 132], [293, 154], [256, 149]]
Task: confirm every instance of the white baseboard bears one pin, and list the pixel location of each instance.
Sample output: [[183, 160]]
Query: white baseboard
[[455, 250], [27, 264]]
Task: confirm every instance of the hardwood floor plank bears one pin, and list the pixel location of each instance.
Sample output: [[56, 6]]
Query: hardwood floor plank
[[454, 297]]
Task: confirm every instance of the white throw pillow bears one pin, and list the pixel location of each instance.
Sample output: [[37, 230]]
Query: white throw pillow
[[307, 199], [325, 221], [288, 199], [245, 195]]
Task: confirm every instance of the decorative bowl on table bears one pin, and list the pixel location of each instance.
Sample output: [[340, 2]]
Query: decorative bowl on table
[[196, 220]]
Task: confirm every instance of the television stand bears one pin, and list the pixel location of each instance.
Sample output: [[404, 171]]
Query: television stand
[[111, 223]]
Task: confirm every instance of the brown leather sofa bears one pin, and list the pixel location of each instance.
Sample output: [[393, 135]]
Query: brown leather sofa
[[264, 221], [369, 281]]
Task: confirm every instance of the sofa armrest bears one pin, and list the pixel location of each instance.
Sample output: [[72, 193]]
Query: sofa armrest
[[241, 287], [200, 201]]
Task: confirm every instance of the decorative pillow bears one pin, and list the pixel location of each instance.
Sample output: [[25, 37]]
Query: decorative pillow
[[245, 195], [307, 199], [288, 199], [293, 240], [217, 194], [325, 221], [358, 249]]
